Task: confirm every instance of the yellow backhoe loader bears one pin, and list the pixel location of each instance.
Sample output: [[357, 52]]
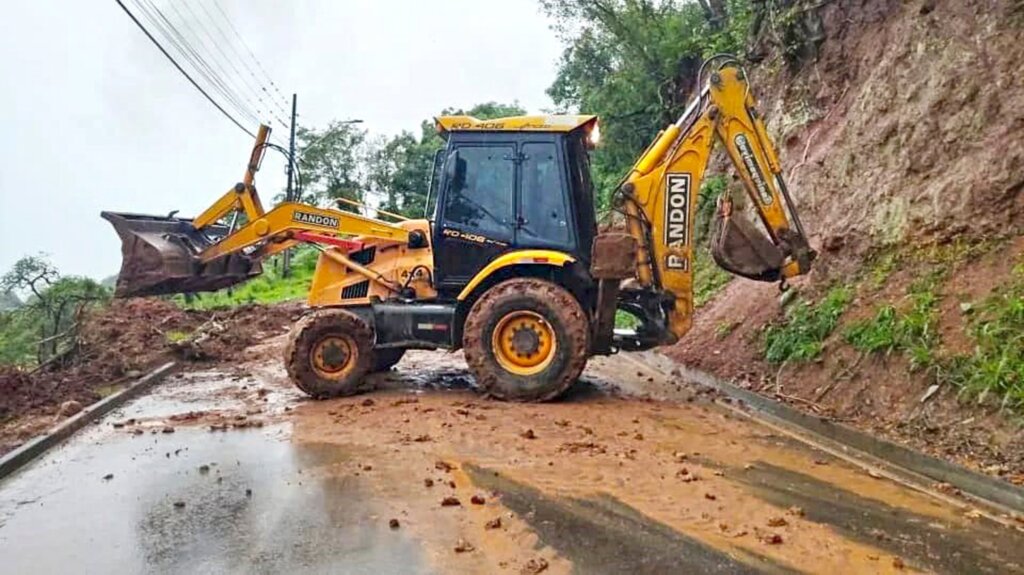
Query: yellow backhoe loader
[[510, 267]]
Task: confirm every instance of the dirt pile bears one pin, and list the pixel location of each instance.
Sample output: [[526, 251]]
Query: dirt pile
[[904, 137], [119, 342], [17, 388]]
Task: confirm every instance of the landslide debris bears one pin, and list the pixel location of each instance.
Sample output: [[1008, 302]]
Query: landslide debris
[[118, 343]]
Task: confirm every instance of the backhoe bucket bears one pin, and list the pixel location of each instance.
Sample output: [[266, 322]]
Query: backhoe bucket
[[160, 255], [738, 247]]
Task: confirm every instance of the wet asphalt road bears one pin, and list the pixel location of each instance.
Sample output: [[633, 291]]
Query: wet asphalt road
[[257, 500]]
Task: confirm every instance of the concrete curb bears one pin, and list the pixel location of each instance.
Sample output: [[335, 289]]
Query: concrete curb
[[34, 448], [908, 464]]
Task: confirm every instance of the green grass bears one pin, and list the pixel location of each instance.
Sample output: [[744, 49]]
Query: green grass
[[269, 287], [708, 278], [801, 336], [910, 329], [996, 367]]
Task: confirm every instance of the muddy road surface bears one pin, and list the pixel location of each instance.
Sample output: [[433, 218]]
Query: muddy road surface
[[234, 471]]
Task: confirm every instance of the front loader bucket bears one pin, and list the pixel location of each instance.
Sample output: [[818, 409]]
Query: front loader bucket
[[160, 255]]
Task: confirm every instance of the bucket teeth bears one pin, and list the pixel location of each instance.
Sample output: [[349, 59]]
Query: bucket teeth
[[160, 255]]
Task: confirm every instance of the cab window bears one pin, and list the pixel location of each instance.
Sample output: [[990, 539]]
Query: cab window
[[481, 194], [544, 215]]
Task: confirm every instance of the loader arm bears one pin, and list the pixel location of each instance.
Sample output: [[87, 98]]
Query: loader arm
[[225, 244], [659, 199]]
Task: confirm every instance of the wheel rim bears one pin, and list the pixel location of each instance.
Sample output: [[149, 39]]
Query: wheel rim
[[334, 356], [523, 343]]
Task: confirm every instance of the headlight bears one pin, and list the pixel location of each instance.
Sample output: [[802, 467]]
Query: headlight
[[595, 135]]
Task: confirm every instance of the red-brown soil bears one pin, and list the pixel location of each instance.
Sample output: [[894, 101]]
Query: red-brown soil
[[875, 392], [118, 343], [905, 132]]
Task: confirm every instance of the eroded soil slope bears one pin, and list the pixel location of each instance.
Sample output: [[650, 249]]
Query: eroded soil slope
[[903, 140]]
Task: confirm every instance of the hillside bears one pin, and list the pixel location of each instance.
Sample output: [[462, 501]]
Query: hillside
[[903, 147]]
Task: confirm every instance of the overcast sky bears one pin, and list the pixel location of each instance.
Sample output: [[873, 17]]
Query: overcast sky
[[95, 118]]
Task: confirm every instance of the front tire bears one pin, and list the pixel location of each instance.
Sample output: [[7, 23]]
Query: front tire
[[329, 353], [526, 339]]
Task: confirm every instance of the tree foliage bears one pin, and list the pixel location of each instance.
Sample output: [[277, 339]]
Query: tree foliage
[[634, 63], [390, 173], [44, 326], [331, 162]]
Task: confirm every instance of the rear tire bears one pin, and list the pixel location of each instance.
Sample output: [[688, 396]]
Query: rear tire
[[329, 352], [385, 359], [526, 339]]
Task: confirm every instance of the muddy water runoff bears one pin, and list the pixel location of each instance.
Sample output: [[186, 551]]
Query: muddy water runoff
[[425, 476]]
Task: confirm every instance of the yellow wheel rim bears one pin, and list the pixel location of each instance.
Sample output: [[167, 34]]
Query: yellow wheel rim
[[334, 356], [524, 343]]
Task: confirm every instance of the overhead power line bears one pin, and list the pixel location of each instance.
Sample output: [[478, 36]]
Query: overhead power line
[[241, 39], [248, 89], [191, 55], [182, 70], [217, 72], [270, 102]]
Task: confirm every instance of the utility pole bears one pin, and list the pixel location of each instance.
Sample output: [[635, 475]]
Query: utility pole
[[289, 193]]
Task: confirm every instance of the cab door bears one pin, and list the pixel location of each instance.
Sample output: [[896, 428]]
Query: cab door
[[476, 220], [544, 218]]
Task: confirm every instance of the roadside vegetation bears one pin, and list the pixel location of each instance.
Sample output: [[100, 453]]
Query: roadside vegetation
[[39, 326], [272, 286], [993, 369], [992, 372], [910, 328], [801, 336], [996, 367]]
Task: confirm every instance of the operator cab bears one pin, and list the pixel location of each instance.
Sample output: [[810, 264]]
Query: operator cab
[[509, 184]]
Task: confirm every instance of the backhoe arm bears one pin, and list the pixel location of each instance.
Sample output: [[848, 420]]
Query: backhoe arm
[[659, 197]]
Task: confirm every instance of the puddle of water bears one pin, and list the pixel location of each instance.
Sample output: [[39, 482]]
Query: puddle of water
[[253, 510]]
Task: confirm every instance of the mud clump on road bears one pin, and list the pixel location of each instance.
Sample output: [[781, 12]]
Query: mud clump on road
[[118, 343]]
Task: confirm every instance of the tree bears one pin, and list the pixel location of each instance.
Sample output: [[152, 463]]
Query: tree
[[53, 308], [399, 169], [487, 111], [634, 63], [31, 274], [331, 162]]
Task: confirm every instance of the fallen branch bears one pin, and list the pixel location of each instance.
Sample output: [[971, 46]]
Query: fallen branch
[[65, 333], [841, 377], [56, 358], [809, 403]]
